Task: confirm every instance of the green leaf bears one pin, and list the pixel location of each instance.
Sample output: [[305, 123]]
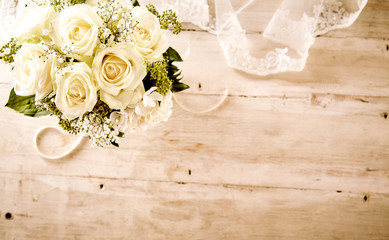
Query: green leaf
[[172, 55], [74, 2], [121, 134], [135, 3], [179, 86], [115, 144], [25, 105]]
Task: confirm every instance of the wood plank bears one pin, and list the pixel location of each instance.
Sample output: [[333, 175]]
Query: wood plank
[[77, 208], [288, 156], [311, 147], [341, 66]]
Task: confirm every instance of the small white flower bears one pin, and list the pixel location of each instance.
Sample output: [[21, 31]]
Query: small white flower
[[161, 113], [7, 51], [121, 22], [151, 96], [111, 38], [106, 32], [45, 32]]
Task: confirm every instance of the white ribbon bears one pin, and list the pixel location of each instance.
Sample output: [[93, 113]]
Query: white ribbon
[[207, 110], [38, 134]]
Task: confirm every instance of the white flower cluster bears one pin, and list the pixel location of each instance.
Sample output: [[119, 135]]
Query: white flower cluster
[[154, 109], [98, 129], [80, 54], [118, 24]]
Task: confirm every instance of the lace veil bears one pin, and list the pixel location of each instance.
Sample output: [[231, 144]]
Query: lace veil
[[290, 28]]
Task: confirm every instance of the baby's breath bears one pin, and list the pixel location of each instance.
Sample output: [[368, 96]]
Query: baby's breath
[[8, 50], [117, 24], [95, 124], [58, 5], [60, 55]]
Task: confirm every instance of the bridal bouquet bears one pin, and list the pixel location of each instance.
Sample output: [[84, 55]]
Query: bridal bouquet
[[105, 69]]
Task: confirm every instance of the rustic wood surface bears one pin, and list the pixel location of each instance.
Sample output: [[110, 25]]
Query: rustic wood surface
[[288, 156]]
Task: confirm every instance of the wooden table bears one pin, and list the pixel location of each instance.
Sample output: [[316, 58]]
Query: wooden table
[[289, 156]]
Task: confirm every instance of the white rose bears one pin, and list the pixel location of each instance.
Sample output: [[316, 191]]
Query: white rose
[[148, 37], [34, 22], [76, 91], [119, 71], [33, 71], [77, 27]]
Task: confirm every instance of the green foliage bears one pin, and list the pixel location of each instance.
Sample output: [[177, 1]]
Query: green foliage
[[67, 126], [179, 86], [174, 72], [48, 105], [74, 2], [25, 105], [164, 74], [168, 19], [153, 10], [8, 50], [158, 74], [175, 76], [172, 55], [102, 109], [135, 3]]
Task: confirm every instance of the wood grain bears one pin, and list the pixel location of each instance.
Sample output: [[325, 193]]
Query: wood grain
[[78, 208], [289, 156]]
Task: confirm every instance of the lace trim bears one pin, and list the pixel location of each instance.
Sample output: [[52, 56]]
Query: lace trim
[[329, 15], [296, 34], [232, 39]]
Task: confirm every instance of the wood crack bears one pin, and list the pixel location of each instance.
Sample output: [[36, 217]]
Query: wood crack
[[224, 185]]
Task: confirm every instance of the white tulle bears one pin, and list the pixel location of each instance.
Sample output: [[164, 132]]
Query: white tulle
[[7, 19], [294, 26]]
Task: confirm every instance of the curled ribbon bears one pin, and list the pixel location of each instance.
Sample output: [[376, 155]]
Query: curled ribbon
[[38, 135]]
